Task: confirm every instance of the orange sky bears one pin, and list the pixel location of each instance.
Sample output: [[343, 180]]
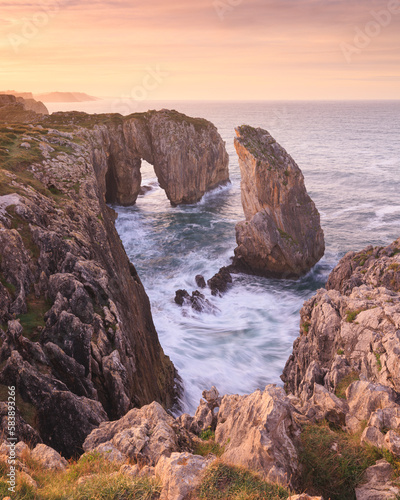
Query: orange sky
[[203, 49]]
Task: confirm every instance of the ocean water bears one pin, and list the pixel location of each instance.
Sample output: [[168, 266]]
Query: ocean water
[[349, 153]]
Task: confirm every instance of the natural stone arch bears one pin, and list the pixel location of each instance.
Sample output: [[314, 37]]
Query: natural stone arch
[[188, 155]]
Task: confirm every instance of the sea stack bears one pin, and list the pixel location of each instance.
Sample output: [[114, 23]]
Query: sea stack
[[281, 236]]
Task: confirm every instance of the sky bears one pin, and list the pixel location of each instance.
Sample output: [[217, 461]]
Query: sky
[[203, 49]]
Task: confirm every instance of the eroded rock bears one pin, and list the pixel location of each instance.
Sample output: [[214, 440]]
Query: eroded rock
[[282, 235]]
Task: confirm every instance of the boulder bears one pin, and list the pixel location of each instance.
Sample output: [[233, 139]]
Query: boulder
[[377, 483], [48, 458], [219, 282], [143, 434], [281, 236], [180, 474], [258, 431], [363, 399]]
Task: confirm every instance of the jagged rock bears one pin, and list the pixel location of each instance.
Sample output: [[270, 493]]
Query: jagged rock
[[363, 399], [220, 281], [392, 442], [206, 416], [258, 431], [130, 470], [53, 402], [372, 437], [110, 452], [377, 484], [324, 405], [281, 236], [180, 474], [197, 301], [88, 357], [146, 434], [200, 281], [350, 335], [48, 458]]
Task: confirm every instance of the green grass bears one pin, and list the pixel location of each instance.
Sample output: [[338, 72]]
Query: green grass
[[207, 444], [34, 318], [99, 484], [378, 361], [222, 481], [352, 315], [344, 384], [306, 326], [340, 352], [333, 474]]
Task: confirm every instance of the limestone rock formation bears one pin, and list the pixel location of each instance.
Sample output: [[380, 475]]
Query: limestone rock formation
[[77, 338], [144, 434], [281, 236], [349, 347], [259, 431], [188, 154], [180, 474], [18, 109], [351, 330]]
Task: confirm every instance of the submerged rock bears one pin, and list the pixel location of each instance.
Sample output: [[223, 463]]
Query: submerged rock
[[282, 235], [219, 282]]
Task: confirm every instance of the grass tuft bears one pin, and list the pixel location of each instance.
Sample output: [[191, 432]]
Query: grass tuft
[[333, 462], [340, 391], [222, 481]]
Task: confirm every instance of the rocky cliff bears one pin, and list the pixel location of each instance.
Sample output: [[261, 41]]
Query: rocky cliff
[[19, 109], [188, 154], [281, 236]]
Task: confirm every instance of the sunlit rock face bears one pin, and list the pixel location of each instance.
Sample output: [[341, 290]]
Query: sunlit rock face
[[188, 155], [281, 236]]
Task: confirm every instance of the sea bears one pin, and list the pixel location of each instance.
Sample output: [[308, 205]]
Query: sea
[[349, 152]]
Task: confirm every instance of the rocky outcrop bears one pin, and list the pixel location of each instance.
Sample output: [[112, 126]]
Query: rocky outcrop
[[351, 330], [77, 337], [344, 366], [33, 105], [188, 154], [180, 474], [259, 431], [144, 434], [17, 109], [281, 236]]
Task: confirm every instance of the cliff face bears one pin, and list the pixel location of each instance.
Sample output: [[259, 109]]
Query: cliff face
[[281, 236], [77, 337], [18, 109], [188, 154], [352, 326]]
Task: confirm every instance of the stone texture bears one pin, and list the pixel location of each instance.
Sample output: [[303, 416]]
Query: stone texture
[[188, 155], [258, 431], [144, 434], [350, 329], [88, 357], [377, 484], [48, 458], [180, 474], [281, 236]]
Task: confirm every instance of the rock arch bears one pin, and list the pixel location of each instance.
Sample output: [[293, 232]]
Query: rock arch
[[188, 155]]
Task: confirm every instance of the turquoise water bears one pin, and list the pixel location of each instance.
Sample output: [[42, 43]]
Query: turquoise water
[[349, 153]]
